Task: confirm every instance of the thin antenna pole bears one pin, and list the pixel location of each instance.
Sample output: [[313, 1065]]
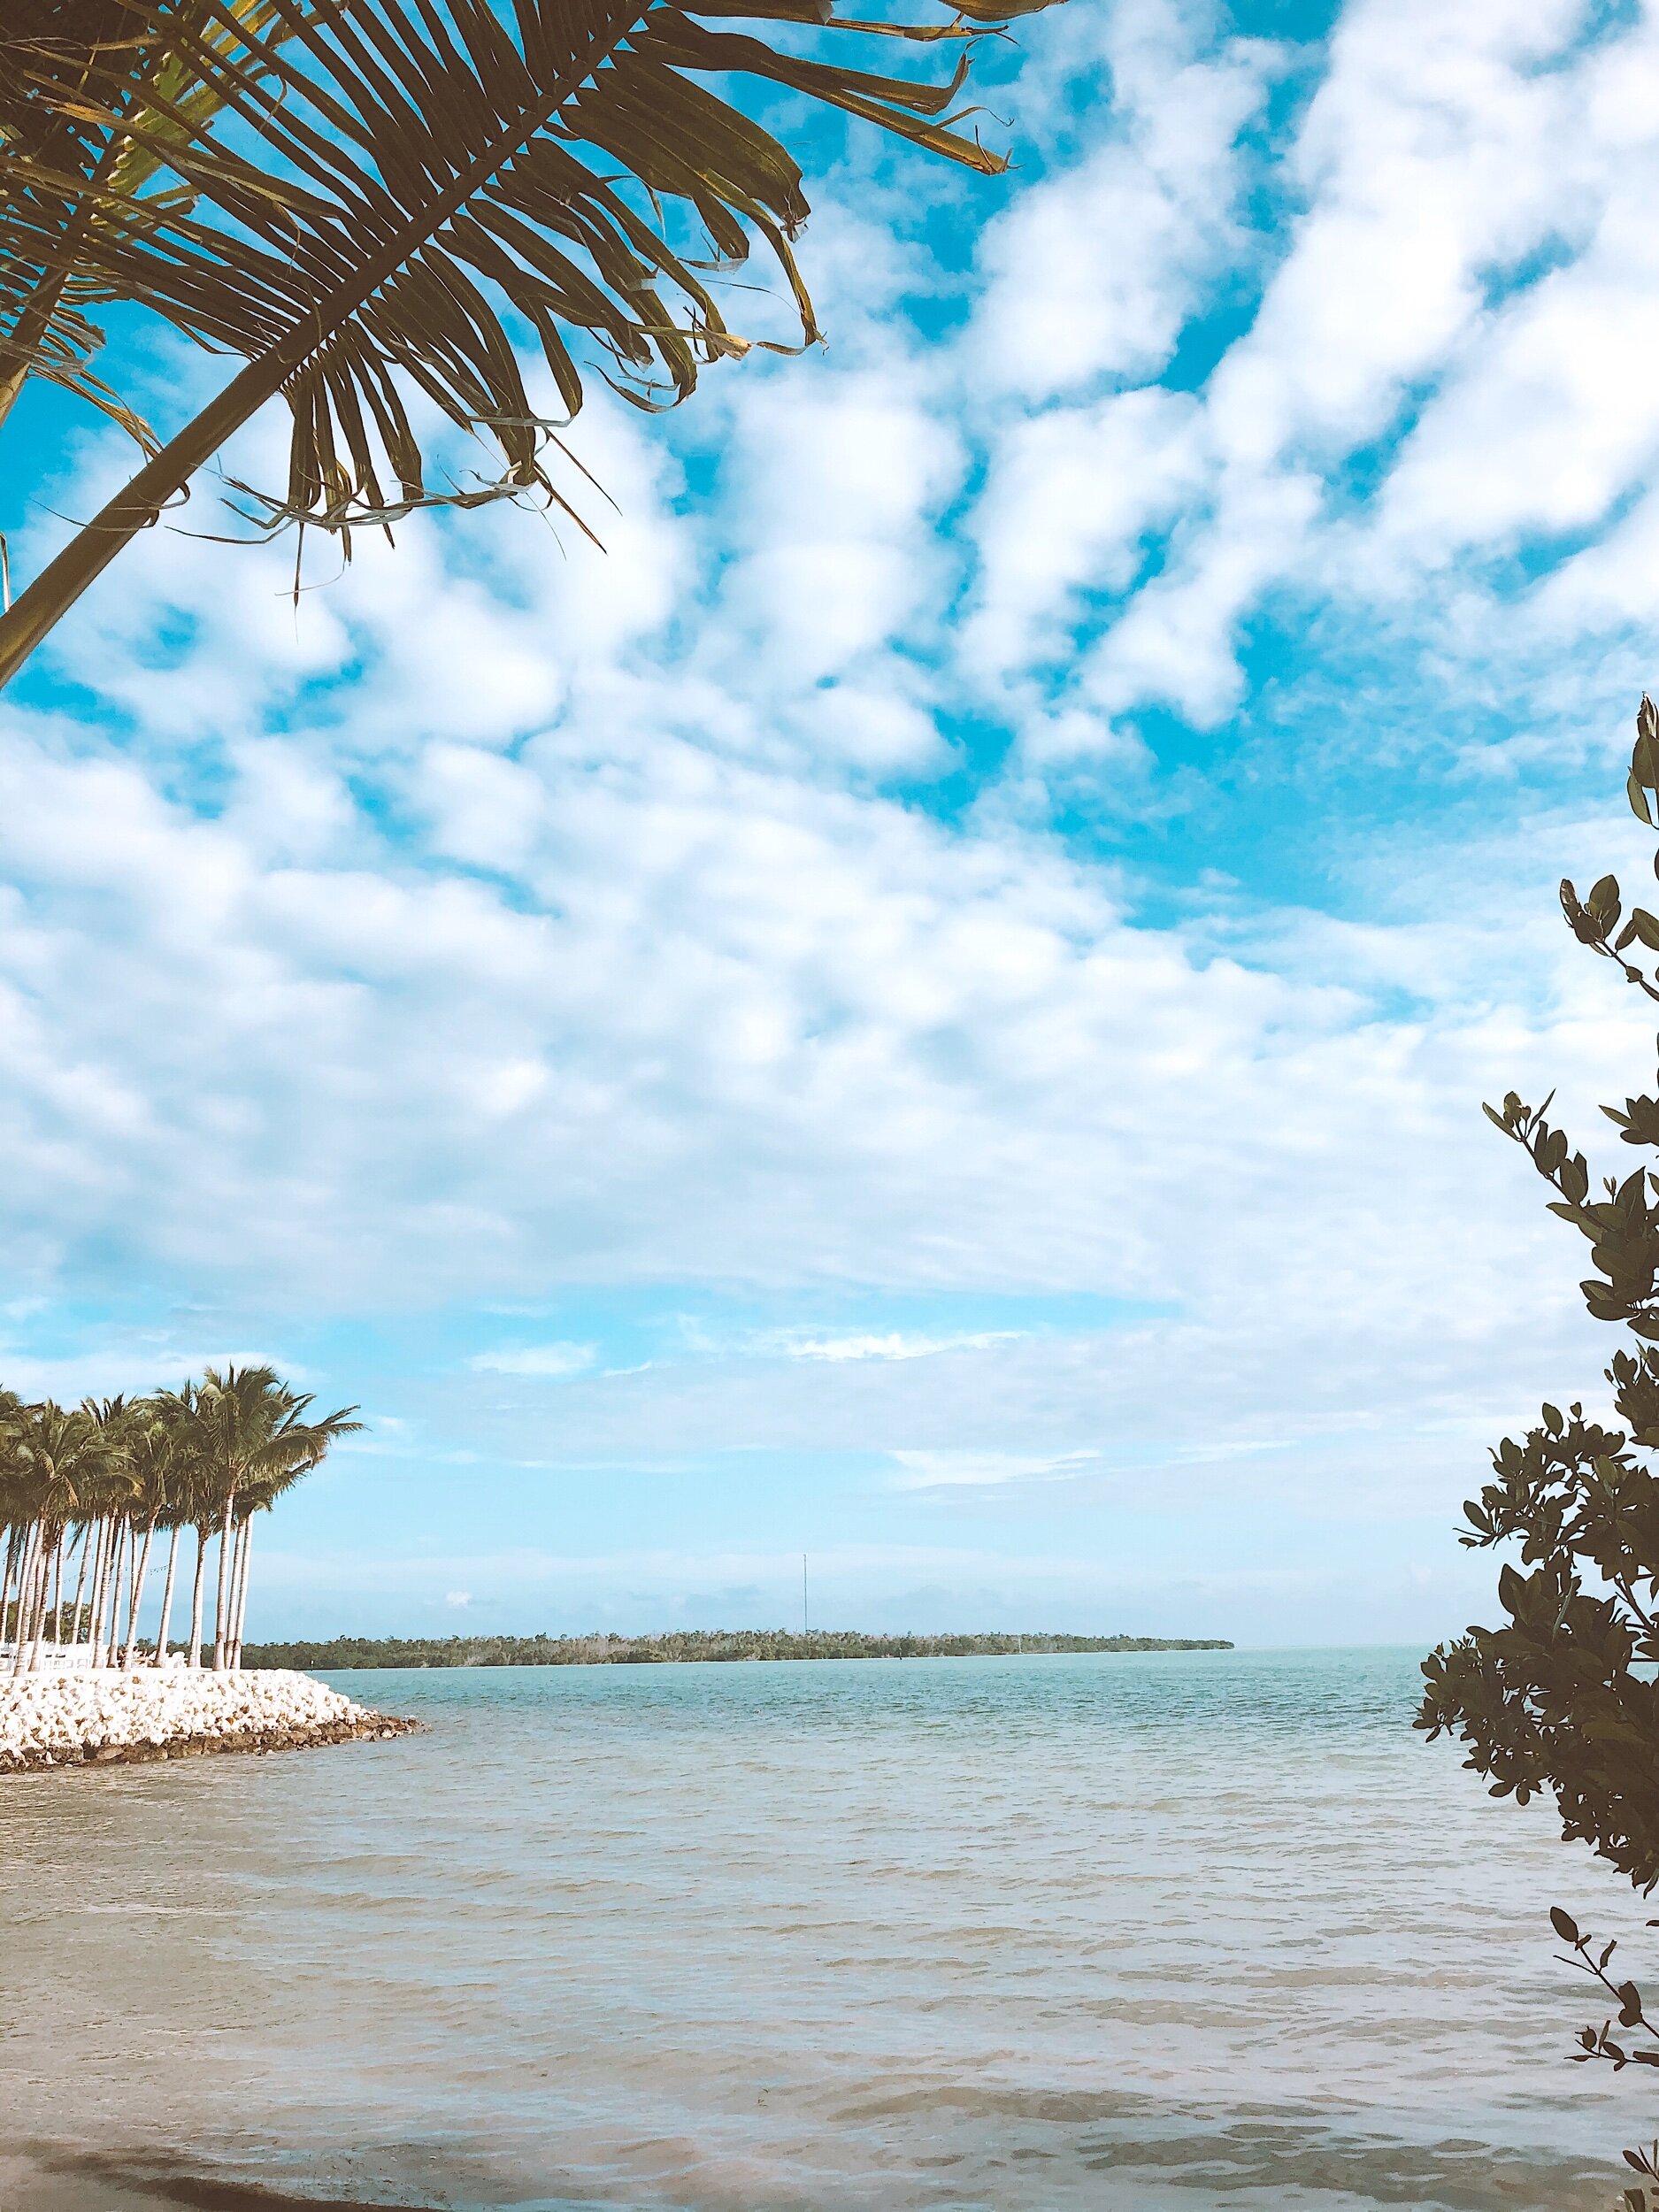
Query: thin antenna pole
[[803, 1597]]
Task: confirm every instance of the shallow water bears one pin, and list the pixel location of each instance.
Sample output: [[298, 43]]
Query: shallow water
[[1157, 1933]]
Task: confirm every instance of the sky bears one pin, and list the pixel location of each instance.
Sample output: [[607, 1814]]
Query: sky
[[928, 1005]]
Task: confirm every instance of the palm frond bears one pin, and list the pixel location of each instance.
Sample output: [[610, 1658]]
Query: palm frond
[[364, 199], [82, 140]]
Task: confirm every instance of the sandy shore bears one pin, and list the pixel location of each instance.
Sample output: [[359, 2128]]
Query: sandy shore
[[106, 1719]]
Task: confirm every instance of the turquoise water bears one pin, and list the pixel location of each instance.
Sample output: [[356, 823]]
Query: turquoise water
[[1159, 1931]]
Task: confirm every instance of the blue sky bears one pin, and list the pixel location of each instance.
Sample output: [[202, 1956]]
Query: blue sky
[[930, 1004]]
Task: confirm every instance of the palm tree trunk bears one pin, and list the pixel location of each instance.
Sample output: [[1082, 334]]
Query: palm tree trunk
[[166, 1597], [222, 1610], [47, 1546], [95, 1594], [112, 1626], [101, 1589], [37, 1567], [80, 1580], [194, 1656], [17, 1557], [14, 1543], [21, 1573], [57, 1585], [235, 1594], [20, 1608], [24, 1573], [25, 1603], [117, 1647], [25, 1560], [239, 1613], [39, 1602], [139, 502], [129, 1658], [127, 1545]]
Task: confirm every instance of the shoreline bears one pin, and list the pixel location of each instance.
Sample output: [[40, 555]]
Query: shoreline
[[107, 1719], [346, 1654]]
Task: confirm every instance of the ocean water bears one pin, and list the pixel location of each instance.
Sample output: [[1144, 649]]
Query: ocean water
[[1158, 1933]]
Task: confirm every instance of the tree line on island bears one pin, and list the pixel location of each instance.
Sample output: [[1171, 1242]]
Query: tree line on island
[[342, 1653], [85, 1492]]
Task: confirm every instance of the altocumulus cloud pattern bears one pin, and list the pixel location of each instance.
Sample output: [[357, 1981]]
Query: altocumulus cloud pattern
[[931, 1002]]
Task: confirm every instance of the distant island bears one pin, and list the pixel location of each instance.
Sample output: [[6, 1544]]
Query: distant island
[[678, 1646]]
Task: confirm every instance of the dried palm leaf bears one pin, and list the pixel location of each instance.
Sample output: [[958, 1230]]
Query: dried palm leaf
[[362, 193], [77, 77]]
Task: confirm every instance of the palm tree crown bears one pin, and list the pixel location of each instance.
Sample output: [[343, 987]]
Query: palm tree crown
[[102, 1478]]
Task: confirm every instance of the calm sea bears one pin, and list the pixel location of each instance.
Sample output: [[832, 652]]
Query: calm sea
[[1160, 1932]]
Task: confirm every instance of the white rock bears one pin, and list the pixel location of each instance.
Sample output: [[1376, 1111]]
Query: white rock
[[68, 1711]]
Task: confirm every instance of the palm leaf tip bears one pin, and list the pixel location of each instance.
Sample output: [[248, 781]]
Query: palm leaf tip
[[84, 87]]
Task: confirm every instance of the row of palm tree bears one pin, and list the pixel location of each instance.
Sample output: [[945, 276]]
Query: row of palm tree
[[84, 1494]]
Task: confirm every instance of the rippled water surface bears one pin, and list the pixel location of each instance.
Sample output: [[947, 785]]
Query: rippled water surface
[[1160, 1932]]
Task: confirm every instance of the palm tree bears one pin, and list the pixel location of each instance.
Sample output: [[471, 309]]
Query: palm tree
[[111, 1473], [14, 1516], [245, 1437], [153, 1452], [383, 194], [195, 1502], [19, 1503], [68, 1459], [175, 1515], [298, 1449], [112, 1492]]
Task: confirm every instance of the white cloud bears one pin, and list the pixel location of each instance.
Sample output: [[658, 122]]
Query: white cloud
[[535, 1359], [953, 1470], [1610, 584], [725, 1025], [1445, 154], [1072, 497], [1436, 154], [1173, 644], [832, 479], [1554, 418], [516, 918], [1091, 273], [890, 1344]]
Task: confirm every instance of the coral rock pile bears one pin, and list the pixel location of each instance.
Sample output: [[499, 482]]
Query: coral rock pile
[[107, 1718]]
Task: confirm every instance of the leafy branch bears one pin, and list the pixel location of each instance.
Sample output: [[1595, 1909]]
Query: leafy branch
[[1592, 921], [1598, 2043], [1561, 1696]]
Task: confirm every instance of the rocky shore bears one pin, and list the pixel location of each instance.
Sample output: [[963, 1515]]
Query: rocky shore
[[110, 1719]]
